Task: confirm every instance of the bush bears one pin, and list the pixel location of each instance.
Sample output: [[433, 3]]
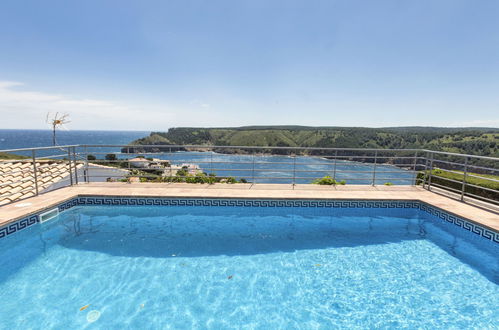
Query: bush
[[328, 181], [388, 184], [91, 157], [111, 157]]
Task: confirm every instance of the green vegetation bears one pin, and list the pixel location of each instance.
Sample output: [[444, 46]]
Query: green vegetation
[[4, 155], [482, 141], [469, 179], [328, 181], [181, 176], [439, 177], [388, 184], [111, 157]]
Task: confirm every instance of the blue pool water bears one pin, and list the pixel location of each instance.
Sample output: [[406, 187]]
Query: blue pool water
[[243, 267]]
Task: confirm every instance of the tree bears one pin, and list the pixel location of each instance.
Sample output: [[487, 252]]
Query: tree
[[111, 157], [56, 122]]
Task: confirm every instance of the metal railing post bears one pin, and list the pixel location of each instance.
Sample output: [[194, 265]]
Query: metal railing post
[[253, 171], [75, 165], [465, 174], [211, 161], [374, 167], [69, 166], [430, 174], [85, 171], [294, 171], [414, 168], [34, 171], [334, 164], [425, 168]]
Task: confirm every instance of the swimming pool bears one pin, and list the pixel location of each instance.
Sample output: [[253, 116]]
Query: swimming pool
[[227, 263]]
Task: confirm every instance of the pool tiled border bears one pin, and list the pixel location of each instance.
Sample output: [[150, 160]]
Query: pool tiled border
[[466, 224]]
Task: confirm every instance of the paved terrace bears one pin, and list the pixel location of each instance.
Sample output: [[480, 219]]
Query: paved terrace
[[12, 212]]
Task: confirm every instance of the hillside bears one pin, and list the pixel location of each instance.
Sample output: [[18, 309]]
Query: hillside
[[8, 156], [478, 141]]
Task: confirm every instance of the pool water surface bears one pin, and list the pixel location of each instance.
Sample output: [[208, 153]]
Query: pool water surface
[[247, 267]]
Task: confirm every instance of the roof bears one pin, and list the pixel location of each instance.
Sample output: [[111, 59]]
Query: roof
[[17, 179]]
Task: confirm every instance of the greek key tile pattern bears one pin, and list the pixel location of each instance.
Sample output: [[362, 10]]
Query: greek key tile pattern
[[149, 201], [245, 202], [18, 225], [461, 222]]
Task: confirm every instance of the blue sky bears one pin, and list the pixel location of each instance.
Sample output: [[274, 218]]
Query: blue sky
[[150, 65]]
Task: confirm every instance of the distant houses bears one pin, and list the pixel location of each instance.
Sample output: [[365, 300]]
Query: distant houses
[[162, 165]]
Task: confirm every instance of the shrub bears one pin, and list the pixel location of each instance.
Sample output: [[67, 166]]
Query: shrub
[[111, 157], [328, 181], [388, 184], [91, 157], [182, 173]]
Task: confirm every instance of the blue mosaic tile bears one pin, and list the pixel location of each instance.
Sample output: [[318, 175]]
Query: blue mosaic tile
[[270, 203], [68, 204], [127, 201], [18, 225], [461, 222]]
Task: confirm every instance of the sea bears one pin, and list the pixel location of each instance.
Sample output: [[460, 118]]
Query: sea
[[35, 138], [256, 169]]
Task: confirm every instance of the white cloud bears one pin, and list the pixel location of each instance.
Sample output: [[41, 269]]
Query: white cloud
[[22, 108], [197, 103]]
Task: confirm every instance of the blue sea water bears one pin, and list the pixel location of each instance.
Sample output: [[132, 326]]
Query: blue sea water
[[26, 138], [242, 267], [282, 169], [266, 168]]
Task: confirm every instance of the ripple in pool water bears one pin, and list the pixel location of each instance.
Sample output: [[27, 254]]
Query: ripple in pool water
[[201, 267]]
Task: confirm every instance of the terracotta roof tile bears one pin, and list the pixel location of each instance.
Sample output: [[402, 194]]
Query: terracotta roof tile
[[17, 178]]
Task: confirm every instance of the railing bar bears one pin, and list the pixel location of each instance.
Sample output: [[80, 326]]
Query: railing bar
[[253, 148], [462, 155], [481, 187], [259, 177], [484, 168], [493, 201], [446, 188], [38, 148], [447, 179], [482, 177], [468, 174]]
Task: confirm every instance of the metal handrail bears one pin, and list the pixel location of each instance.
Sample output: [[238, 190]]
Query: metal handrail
[[335, 162], [39, 148]]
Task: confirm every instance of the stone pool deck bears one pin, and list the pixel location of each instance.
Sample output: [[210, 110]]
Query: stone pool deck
[[12, 212]]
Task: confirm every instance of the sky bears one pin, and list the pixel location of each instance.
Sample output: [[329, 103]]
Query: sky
[[151, 65]]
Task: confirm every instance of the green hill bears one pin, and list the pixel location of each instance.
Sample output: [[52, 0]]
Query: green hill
[[478, 141]]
